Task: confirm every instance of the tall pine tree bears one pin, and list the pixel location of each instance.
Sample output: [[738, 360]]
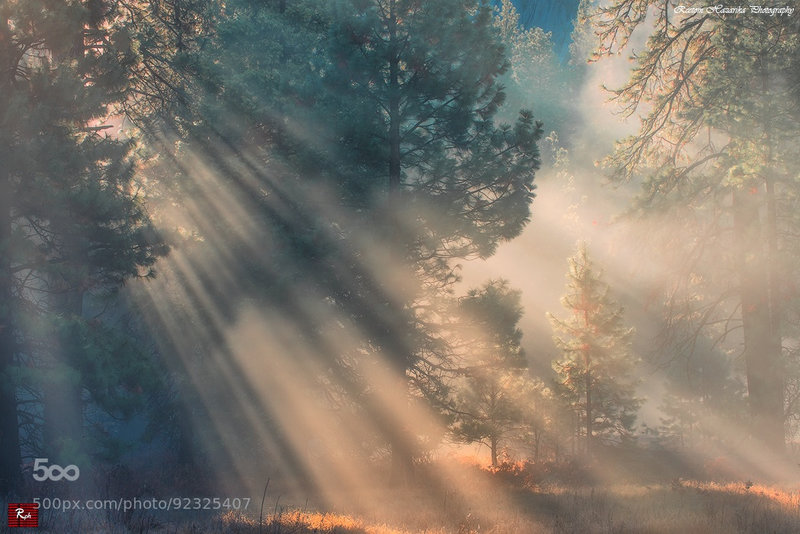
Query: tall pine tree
[[385, 110], [446, 181], [717, 151], [73, 224]]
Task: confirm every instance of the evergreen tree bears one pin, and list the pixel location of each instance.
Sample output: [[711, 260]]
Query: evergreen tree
[[539, 410], [166, 34], [717, 149], [536, 77], [596, 372], [72, 222], [365, 130], [445, 181], [424, 77], [583, 40], [491, 402]]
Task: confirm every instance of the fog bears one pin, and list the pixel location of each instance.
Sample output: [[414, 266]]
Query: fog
[[363, 285]]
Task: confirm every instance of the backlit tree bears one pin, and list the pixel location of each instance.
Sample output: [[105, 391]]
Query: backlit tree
[[716, 151], [596, 372]]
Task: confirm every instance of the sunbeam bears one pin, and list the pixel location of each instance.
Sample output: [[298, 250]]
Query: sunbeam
[[392, 266]]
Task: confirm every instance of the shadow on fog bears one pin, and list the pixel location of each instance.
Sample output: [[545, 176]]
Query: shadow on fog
[[290, 343]]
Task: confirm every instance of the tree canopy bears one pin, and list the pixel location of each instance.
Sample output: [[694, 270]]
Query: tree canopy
[[715, 147], [72, 224]]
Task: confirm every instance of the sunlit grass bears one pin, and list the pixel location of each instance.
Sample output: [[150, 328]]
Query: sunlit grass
[[488, 504]]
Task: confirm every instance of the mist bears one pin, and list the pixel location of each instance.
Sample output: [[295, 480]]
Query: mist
[[396, 266]]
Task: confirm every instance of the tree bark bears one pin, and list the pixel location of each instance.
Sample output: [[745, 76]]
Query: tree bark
[[587, 362], [774, 347], [402, 462], [10, 458], [762, 344], [402, 449], [63, 405], [589, 429], [394, 113]]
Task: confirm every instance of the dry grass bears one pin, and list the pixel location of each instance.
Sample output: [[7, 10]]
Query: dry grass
[[683, 506]]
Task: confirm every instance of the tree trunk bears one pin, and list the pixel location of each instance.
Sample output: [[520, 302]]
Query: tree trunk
[[762, 344], [587, 362], [402, 448], [588, 410], [576, 432], [63, 405], [394, 118], [10, 458], [775, 372], [10, 474], [402, 462]]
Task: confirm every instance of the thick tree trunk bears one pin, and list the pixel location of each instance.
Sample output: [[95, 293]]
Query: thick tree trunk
[[587, 363], [402, 448], [493, 446], [402, 462], [775, 400], [10, 474], [762, 343], [63, 405], [394, 129]]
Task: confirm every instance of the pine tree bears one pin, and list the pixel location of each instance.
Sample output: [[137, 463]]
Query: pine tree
[[490, 404], [536, 78], [421, 95], [445, 181], [166, 35], [72, 222], [716, 148], [596, 372], [388, 108]]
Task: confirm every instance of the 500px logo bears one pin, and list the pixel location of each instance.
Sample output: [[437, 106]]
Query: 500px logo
[[42, 472]]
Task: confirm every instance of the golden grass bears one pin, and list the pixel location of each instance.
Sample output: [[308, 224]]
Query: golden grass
[[685, 507], [682, 506]]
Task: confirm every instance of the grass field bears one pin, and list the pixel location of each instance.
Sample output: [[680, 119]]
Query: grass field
[[677, 507]]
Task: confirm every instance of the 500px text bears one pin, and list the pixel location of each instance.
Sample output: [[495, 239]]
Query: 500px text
[[172, 503], [42, 472]]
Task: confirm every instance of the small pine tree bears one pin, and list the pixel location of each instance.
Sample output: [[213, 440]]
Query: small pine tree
[[490, 400], [595, 373]]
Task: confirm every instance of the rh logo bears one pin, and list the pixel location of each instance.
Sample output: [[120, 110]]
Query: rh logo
[[23, 514]]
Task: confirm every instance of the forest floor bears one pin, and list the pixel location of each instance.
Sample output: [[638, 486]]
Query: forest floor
[[680, 506]]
